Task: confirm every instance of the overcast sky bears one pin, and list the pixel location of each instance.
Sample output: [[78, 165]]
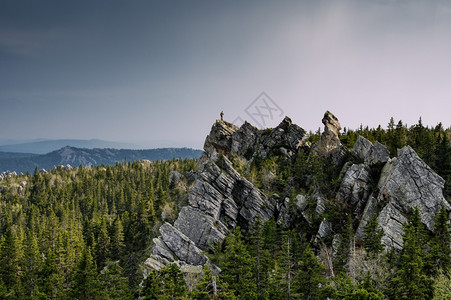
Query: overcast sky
[[158, 73]]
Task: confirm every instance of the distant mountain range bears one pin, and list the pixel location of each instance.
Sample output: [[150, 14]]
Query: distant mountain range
[[41, 146], [22, 162]]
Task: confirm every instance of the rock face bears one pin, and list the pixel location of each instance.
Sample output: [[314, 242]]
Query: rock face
[[370, 154], [356, 185], [329, 140], [329, 144], [221, 199], [407, 182]]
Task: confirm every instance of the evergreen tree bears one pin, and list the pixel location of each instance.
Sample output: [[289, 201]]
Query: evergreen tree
[[440, 253], [117, 239], [168, 283], [410, 280], [310, 277], [211, 287], [85, 283], [372, 236], [10, 257], [51, 279], [237, 267], [32, 264], [113, 283], [263, 260]]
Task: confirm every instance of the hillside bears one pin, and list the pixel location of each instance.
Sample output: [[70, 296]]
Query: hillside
[[262, 214], [88, 157], [46, 146]]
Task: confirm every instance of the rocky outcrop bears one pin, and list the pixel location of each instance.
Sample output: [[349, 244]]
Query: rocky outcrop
[[202, 229], [391, 220], [220, 137], [329, 140], [220, 198], [370, 154], [407, 182], [329, 144], [183, 248], [368, 212], [285, 137], [355, 186]]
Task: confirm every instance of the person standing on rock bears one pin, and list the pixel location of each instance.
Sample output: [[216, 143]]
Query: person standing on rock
[[222, 115]]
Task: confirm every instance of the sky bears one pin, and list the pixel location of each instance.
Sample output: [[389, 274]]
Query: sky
[[158, 73]]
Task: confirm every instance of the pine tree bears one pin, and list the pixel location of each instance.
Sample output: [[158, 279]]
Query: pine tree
[[310, 276], [237, 267], [440, 253], [211, 287], [168, 283], [85, 283], [372, 236], [410, 281], [32, 264], [10, 257], [117, 239], [51, 277], [102, 246], [113, 283], [263, 260]]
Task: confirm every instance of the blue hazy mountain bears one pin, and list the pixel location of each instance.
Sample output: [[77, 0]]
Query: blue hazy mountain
[[75, 157], [45, 146]]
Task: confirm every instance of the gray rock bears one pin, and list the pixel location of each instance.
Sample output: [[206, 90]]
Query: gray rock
[[320, 208], [286, 137], [407, 182], [324, 231], [391, 219], [160, 249], [202, 229], [368, 212], [355, 186], [370, 154], [329, 140], [220, 137], [181, 245], [244, 140], [174, 177]]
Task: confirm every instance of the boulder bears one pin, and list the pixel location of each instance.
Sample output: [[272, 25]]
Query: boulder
[[370, 154], [407, 182], [220, 137], [181, 245], [368, 212], [325, 230], [329, 140], [202, 229], [355, 186], [391, 220]]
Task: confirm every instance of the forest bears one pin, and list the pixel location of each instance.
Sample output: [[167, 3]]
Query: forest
[[84, 233]]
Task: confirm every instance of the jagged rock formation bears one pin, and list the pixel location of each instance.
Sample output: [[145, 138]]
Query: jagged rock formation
[[329, 144], [370, 154], [407, 182], [221, 198]]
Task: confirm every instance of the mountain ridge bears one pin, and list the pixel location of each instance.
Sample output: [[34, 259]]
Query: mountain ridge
[[88, 157]]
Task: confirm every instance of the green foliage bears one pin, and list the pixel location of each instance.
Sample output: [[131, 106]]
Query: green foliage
[[442, 286], [410, 281], [211, 287], [372, 236], [310, 277], [168, 283], [50, 224], [238, 266]]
